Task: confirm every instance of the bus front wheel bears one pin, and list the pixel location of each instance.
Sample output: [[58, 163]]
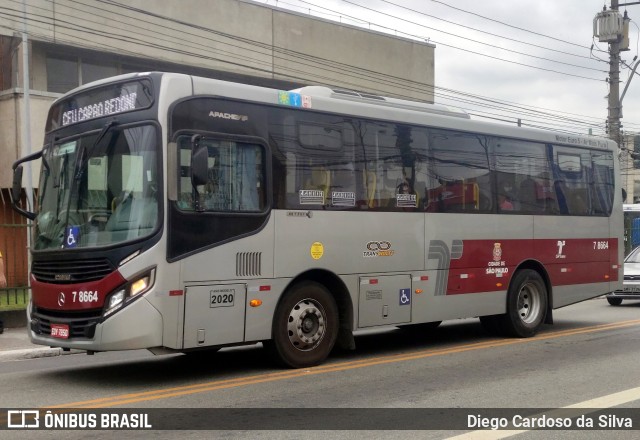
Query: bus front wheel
[[305, 326], [526, 304]]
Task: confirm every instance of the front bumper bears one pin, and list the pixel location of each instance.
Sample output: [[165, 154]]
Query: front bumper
[[136, 326]]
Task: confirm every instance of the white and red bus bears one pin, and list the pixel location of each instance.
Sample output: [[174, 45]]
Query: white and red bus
[[179, 214]]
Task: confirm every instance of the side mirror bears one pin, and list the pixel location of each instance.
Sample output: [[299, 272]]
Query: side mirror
[[16, 189], [199, 166]]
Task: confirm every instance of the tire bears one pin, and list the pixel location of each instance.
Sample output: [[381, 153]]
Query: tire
[[526, 305], [614, 301], [305, 326]]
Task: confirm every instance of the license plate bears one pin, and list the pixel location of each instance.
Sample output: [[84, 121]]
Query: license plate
[[60, 331], [632, 289]]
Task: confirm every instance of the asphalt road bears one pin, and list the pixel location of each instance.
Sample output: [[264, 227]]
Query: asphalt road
[[588, 358]]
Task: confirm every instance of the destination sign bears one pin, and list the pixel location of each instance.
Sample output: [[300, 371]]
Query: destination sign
[[99, 109], [99, 102]]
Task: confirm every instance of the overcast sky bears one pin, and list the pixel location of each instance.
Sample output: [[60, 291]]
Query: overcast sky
[[551, 30]]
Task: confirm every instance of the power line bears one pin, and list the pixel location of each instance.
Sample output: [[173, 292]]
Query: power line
[[475, 41], [590, 124], [509, 25], [189, 24], [413, 10], [385, 79], [478, 30]]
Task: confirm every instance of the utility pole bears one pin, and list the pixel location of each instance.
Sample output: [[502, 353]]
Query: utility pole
[[26, 125], [615, 110], [612, 28]]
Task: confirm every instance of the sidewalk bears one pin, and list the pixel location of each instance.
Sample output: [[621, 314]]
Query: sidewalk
[[15, 345]]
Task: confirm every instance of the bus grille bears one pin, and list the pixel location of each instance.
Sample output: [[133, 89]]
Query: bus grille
[[81, 324], [248, 264], [71, 271]]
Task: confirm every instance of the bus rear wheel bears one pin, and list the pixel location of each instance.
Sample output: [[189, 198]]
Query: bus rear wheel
[[526, 304], [305, 326]]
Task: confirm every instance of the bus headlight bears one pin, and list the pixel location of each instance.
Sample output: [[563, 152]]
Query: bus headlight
[[115, 301], [131, 290]]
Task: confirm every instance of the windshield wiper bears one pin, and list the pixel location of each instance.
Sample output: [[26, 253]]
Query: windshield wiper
[[83, 152], [103, 132]]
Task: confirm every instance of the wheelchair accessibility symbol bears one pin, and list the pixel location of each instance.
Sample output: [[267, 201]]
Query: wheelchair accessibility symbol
[[72, 236], [405, 297]]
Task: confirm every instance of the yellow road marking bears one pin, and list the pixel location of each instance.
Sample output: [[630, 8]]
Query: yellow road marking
[[124, 399]]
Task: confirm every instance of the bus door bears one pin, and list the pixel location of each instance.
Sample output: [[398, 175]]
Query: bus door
[[384, 300], [214, 314]]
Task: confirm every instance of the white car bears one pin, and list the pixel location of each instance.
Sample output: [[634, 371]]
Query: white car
[[631, 284]]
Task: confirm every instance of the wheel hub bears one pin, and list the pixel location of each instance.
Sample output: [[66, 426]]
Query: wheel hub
[[306, 325], [529, 303]]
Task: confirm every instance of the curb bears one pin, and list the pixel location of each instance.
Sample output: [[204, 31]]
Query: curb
[[34, 353]]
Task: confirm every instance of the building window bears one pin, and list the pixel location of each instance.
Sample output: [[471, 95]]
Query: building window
[[92, 71], [68, 72], [62, 73]]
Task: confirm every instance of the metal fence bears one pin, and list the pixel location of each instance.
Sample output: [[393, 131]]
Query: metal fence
[[14, 298], [15, 256]]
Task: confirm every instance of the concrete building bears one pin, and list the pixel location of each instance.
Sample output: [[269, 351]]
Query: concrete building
[[71, 43]]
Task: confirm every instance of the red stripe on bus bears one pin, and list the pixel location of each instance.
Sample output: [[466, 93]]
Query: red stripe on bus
[[486, 263], [79, 296]]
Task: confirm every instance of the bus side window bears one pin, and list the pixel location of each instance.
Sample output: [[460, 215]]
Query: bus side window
[[601, 184], [319, 179], [527, 195], [574, 170], [343, 180], [185, 190], [461, 165], [369, 183], [577, 202]]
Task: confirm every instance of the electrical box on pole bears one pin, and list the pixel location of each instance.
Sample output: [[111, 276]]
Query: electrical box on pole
[[624, 44], [608, 26]]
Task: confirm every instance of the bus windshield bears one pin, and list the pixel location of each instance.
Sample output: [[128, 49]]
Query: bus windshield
[[98, 189]]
